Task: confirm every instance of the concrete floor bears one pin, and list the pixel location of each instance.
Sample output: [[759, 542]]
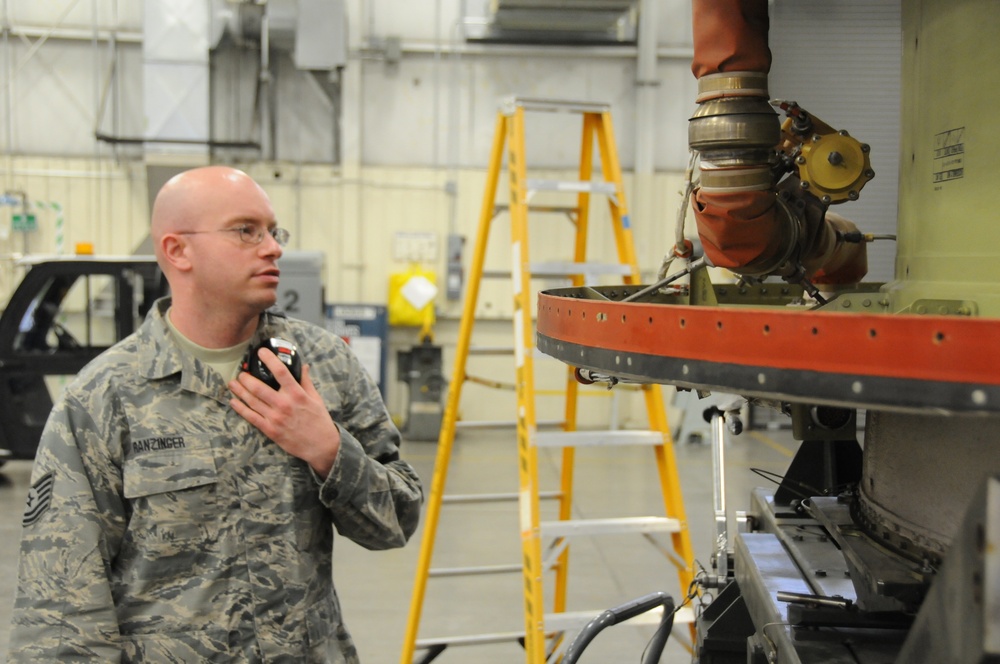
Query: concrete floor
[[375, 587]]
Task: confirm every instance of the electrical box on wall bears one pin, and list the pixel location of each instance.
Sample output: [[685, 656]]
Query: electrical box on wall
[[455, 275]]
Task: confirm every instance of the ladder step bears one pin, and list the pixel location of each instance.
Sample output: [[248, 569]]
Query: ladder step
[[572, 186], [614, 526], [501, 424], [577, 620], [469, 640], [508, 104], [562, 209], [598, 438], [507, 350], [567, 269], [476, 570], [494, 497], [491, 350]]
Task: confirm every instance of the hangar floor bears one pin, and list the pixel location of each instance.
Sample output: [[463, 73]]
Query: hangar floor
[[375, 587]]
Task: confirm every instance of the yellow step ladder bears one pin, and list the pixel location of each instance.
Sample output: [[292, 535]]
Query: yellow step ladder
[[547, 630]]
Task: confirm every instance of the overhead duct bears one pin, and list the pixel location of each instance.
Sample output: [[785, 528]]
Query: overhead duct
[[308, 29], [178, 37], [175, 63], [554, 22]]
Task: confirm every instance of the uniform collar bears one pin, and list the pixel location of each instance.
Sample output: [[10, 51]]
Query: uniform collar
[[160, 356]]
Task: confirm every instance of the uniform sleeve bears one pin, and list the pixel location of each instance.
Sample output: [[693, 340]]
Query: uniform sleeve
[[375, 497], [63, 608]]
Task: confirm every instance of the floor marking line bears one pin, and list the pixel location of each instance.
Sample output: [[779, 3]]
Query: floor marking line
[[770, 442]]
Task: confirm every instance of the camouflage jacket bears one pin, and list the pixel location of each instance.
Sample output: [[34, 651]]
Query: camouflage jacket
[[162, 527]]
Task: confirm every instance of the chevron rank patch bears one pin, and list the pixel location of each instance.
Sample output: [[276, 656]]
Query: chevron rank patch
[[39, 498]]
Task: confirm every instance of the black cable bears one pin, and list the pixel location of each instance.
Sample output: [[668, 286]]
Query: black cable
[[787, 483], [622, 613], [781, 479], [654, 649]]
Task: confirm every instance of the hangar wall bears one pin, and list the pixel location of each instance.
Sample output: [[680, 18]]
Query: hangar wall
[[409, 152]]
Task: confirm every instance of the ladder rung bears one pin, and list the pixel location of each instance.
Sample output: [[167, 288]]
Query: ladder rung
[[570, 621], [459, 498], [614, 526], [508, 104], [476, 569], [500, 424], [598, 438], [491, 350], [563, 209], [506, 350], [470, 640], [576, 620], [568, 269], [572, 186], [493, 497]]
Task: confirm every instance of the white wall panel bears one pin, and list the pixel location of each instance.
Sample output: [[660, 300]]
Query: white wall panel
[[53, 99], [402, 120], [415, 20], [675, 97], [398, 121], [176, 96], [674, 23], [126, 14], [176, 30], [123, 115]]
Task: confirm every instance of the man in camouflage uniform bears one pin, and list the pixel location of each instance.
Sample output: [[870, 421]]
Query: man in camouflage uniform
[[178, 514]]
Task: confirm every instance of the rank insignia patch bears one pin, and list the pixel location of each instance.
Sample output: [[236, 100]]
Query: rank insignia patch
[[39, 498]]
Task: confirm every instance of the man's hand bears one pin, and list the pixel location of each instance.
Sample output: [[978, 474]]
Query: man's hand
[[294, 417]]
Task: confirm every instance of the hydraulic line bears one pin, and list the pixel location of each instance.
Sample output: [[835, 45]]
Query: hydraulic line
[[745, 223]]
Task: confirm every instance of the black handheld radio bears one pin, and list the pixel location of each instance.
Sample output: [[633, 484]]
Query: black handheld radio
[[283, 350]]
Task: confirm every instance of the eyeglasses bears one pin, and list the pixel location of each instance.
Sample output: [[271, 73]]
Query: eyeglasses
[[249, 233]]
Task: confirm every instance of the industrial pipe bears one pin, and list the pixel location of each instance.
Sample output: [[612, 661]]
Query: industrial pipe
[[745, 223]]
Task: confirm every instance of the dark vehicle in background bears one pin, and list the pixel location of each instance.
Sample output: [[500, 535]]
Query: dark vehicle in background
[[63, 314]]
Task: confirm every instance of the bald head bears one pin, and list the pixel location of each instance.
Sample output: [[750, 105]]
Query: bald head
[[203, 199], [188, 197], [196, 199]]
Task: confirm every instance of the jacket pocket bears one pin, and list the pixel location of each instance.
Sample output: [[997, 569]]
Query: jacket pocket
[[174, 513], [171, 470]]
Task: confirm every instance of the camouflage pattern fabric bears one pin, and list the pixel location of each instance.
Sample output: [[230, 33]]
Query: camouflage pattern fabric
[[174, 531]]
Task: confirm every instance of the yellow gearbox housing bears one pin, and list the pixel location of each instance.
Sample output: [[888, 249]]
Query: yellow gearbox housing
[[834, 167]]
